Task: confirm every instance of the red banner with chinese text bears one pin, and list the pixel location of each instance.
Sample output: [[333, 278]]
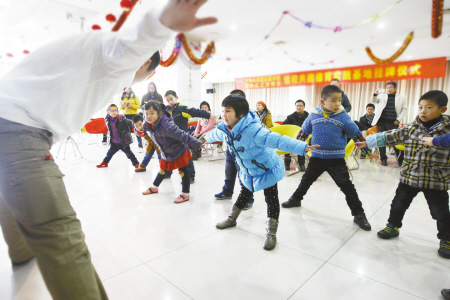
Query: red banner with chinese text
[[414, 69]]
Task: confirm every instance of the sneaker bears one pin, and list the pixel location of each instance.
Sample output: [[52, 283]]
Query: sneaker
[[104, 143], [389, 232], [102, 165], [302, 168], [141, 168], [221, 196], [444, 249], [361, 220], [446, 294], [248, 206], [384, 162], [181, 199], [150, 190], [136, 166], [292, 202]]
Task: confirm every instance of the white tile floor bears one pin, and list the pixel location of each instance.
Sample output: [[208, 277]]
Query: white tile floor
[[147, 247]]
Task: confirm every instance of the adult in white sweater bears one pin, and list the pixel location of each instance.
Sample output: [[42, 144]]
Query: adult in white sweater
[[47, 97]]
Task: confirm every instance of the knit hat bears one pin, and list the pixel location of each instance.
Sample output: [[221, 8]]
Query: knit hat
[[262, 103]]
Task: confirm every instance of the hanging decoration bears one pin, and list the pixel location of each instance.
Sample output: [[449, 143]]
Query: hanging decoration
[[437, 18], [180, 40], [96, 27], [111, 18], [396, 54], [313, 63], [26, 52], [9, 55], [209, 51], [127, 6], [204, 74]]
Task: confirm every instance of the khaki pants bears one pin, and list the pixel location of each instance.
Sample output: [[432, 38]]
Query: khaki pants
[[36, 216]]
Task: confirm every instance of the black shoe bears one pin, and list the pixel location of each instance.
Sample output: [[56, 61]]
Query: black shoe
[[446, 294], [361, 220], [192, 180], [222, 196], [384, 162], [302, 168], [292, 202]]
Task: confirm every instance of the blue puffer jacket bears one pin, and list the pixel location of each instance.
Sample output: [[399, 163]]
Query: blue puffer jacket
[[253, 146], [330, 133], [169, 138]]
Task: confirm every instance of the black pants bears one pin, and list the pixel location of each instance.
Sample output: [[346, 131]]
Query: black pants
[[138, 137], [386, 126], [271, 196], [337, 169], [437, 202], [287, 160], [185, 180], [116, 147]]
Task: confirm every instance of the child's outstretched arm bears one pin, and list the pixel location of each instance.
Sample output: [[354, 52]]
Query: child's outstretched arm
[[196, 113], [438, 141], [176, 133], [275, 140], [387, 138], [215, 135]]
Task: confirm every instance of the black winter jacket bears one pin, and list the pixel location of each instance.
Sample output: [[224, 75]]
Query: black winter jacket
[[295, 119], [181, 113], [123, 126]]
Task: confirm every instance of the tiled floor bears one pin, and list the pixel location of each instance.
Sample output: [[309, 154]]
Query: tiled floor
[[147, 247]]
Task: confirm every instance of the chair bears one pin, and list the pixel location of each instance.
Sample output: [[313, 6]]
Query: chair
[[350, 151], [95, 126], [74, 144], [400, 147], [371, 130], [276, 124], [290, 131], [194, 123], [210, 149], [279, 122]]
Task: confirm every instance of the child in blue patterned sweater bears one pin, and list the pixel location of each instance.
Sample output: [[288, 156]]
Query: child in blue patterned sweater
[[330, 126]]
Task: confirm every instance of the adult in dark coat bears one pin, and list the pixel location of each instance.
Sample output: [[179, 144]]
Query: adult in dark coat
[[345, 101], [296, 118]]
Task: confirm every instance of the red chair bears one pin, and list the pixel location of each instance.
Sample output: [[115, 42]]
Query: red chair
[[192, 124], [96, 126], [279, 122]]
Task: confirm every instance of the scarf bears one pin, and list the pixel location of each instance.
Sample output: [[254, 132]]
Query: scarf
[[263, 114], [370, 118]]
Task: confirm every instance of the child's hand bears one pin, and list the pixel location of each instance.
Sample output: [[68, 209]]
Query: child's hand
[[212, 117], [428, 141], [312, 147], [361, 145], [374, 156]]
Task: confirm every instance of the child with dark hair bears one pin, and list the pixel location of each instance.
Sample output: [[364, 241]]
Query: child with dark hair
[[173, 144], [231, 170], [425, 168], [119, 129], [130, 103], [181, 114], [260, 168], [138, 122], [330, 126], [204, 125]]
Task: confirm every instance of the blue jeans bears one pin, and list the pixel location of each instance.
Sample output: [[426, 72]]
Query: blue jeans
[[148, 156], [231, 170], [116, 147]]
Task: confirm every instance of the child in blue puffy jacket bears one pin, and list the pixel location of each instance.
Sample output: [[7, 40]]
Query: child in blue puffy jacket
[[330, 126], [260, 168]]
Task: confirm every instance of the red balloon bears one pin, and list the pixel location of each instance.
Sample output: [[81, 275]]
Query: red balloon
[[96, 27], [110, 18]]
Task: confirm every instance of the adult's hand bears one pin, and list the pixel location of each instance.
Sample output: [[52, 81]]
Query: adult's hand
[[179, 15]]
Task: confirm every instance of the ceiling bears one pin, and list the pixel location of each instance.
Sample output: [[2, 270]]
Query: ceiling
[[240, 32]]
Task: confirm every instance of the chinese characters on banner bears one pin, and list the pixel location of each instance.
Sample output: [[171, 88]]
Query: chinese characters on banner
[[425, 68]]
